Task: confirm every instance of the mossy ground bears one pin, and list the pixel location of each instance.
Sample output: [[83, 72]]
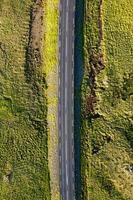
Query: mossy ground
[[24, 172], [106, 135]]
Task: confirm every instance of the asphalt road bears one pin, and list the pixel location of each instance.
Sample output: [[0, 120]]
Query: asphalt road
[[66, 98]]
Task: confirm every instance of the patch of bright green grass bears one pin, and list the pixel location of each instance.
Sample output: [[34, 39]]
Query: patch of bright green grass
[[51, 35], [107, 142], [24, 170]]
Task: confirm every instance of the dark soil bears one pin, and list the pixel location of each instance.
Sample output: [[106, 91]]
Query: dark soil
[[33, 54], [96, 63]]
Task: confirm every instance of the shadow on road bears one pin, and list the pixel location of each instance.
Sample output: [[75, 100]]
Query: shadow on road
[[78, 74]]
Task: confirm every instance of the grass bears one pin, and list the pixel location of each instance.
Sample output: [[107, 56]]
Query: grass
[[106, 135], [51, 71], [24, 172]]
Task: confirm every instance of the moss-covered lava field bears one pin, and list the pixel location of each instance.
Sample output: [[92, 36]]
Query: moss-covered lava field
[[107, 101]]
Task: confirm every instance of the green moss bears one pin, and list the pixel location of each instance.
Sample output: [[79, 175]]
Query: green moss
[[24, 172], [107, 132]]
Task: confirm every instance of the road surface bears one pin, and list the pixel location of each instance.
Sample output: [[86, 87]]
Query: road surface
[[66, 98]]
